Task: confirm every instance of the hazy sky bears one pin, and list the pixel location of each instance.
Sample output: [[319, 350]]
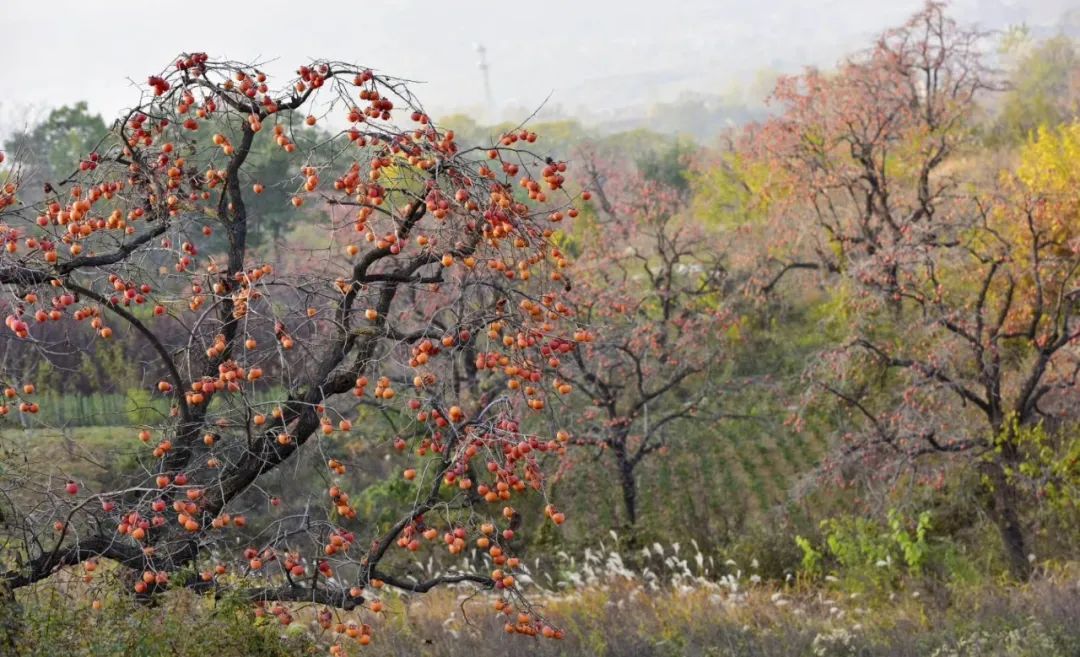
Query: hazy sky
[[600, 54]]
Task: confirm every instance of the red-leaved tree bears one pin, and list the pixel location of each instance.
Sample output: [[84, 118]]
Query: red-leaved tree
[[957, 288], [654, 281]]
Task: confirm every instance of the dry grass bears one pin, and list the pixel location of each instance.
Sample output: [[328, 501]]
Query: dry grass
[[680, 606]]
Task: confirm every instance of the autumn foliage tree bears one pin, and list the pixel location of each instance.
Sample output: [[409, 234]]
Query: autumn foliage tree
[[958, 287], [437, 282], [653, 282]]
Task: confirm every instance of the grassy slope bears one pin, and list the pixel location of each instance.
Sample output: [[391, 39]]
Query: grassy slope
[[613, 616]]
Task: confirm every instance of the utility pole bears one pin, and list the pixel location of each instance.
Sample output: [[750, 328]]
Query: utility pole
[[482, 64]]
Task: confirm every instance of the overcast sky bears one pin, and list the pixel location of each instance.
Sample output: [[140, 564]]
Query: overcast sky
[[599, 54]]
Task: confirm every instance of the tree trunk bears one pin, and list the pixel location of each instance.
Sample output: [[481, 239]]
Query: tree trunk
[[629, 485], [1006, 515]]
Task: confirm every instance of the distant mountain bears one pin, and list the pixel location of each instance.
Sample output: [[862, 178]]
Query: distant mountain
[[716, 90]]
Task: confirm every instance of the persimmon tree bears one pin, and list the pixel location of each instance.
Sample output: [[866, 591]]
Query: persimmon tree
[[859, 153], [654, 281], [958, 288], [436, 276]]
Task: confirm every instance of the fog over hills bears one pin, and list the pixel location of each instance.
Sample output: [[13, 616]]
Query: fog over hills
[[679, 66], [723, 73]]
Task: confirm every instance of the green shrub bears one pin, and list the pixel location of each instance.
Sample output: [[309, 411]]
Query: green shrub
[[180, 627]]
